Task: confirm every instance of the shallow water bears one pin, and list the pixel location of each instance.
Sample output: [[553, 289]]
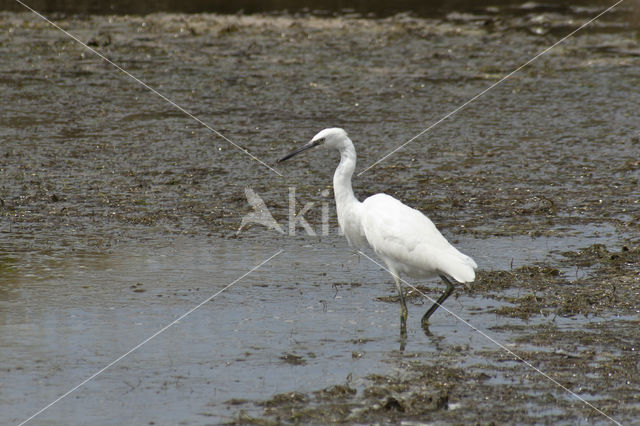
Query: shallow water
[[74, 318], [119, 215], [307, 320]]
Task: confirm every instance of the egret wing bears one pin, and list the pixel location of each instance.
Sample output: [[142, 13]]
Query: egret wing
[[408, 240]]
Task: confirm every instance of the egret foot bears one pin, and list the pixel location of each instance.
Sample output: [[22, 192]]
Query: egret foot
[[440, 301], [425, 328], [403, 326]]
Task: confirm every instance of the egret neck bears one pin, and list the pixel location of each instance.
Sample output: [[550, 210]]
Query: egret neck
[[346, 202]]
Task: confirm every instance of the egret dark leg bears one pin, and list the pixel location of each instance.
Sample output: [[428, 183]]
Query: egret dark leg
[[440, 301], [403, 312]]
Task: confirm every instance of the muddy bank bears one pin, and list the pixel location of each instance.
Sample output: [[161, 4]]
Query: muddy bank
[[88, 152], [323, 8]]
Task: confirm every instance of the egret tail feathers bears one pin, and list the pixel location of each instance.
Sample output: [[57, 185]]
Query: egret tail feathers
[[464, 270], [458, 266]]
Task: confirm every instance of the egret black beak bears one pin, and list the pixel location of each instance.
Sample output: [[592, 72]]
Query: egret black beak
[[304, 147]]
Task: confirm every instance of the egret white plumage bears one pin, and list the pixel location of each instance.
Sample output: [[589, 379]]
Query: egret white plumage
[[405, 239]]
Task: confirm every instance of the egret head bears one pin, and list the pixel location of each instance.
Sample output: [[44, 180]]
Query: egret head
[[333, 137]]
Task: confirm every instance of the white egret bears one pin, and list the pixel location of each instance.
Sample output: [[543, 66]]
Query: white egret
[[404, 238]]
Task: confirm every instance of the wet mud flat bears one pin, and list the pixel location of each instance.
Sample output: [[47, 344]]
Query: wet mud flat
[[537, 180]]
